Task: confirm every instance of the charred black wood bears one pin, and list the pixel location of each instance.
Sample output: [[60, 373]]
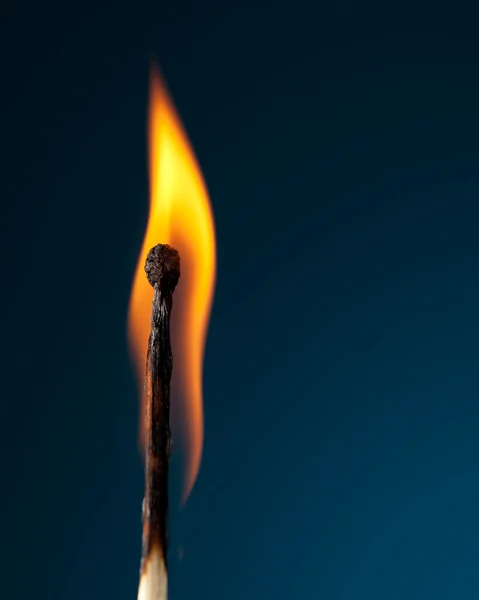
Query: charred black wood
[[162, 268]]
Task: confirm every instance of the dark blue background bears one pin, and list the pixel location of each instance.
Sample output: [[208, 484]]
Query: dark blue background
[[340, 147]]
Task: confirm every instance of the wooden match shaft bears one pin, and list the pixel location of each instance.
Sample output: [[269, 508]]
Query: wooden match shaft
[[162, 268]]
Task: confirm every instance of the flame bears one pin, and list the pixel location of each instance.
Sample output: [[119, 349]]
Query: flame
[[180, 215]]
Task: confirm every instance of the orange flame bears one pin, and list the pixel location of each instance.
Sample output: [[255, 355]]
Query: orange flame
[[180, 215]]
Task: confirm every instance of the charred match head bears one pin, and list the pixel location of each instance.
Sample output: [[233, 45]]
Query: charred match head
[[162, 267]]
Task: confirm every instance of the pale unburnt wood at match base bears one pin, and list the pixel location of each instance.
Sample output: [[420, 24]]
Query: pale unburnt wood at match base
[[154, 578]]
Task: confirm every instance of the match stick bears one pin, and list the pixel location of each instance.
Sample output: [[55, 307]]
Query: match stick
[[162, 268]]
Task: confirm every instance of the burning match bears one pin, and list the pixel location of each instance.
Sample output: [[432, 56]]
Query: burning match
[[180, 217], [163, 271]]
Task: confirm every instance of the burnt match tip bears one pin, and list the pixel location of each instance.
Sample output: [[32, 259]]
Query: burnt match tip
[[162, 267]]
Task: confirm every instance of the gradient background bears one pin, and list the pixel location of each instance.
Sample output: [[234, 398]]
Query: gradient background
[[340, 147]]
